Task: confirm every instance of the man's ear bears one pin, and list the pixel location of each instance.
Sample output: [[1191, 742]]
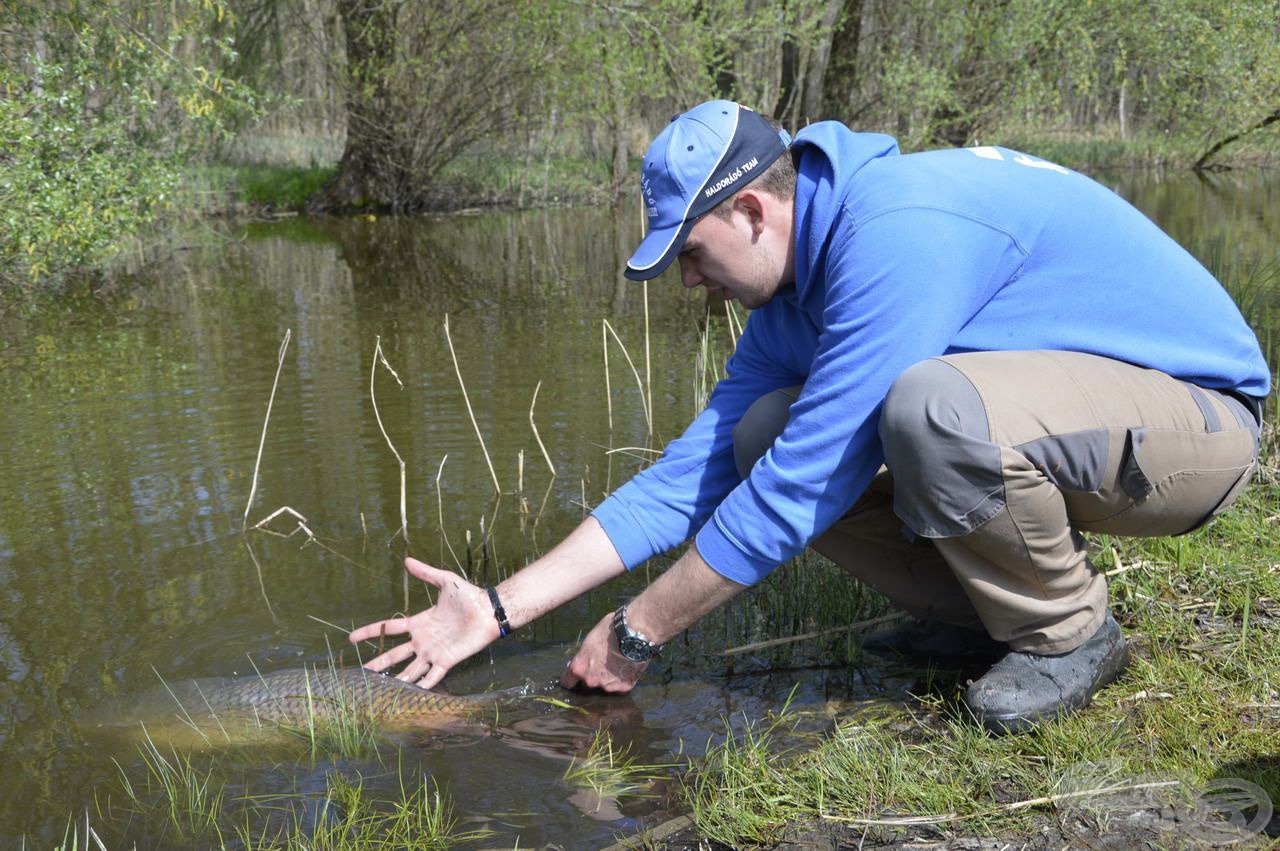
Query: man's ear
[[752, 205]]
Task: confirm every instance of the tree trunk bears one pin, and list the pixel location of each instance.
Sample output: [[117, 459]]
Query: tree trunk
[[791, 80], [367, 174], [1202, 162], [812, 105], [840, 76]]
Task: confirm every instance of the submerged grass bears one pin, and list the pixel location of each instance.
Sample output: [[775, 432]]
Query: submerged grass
[[342, 725], [351, 819], [188, 798], [611, 771]]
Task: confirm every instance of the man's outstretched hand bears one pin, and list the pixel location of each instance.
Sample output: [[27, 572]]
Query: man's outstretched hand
[[460, 624]]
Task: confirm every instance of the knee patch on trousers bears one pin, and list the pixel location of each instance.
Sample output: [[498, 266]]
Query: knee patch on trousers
[[946, 471], [760, 427]]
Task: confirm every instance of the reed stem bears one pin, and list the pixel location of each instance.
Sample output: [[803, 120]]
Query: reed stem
[[253, 488], [467, 399], [545, 455], [648, 417]]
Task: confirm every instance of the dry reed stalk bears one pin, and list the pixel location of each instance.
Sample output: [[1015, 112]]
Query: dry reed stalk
[[634, 452], [648, 372], [380, 358], [546, 494], [729, 316], [253, 488], [467, 399], [545, 455], [1004, 808], [261, 525], [444, 538], [648, 418], [774, 642], [261, 584], [608, 391]]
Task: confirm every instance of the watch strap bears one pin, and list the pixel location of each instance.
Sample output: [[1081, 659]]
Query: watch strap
[[499, 613]]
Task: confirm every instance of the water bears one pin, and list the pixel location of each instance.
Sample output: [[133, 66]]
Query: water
[[131, 428]]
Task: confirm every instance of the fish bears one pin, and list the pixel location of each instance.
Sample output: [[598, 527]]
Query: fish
[[324, 693], [305, 698]]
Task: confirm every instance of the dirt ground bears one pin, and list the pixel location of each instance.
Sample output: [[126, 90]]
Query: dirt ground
[[1142, 829]]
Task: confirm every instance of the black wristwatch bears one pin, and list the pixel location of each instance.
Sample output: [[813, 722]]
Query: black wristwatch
[[633, 645]]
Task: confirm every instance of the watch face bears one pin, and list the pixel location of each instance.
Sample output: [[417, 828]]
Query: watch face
[[636, 649]]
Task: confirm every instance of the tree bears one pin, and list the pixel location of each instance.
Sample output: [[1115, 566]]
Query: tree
[[103, 105], [423, 82]]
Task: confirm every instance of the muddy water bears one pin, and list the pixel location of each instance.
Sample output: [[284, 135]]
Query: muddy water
[[131, 426]]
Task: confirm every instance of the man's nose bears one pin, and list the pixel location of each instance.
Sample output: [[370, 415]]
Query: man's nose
[[689, 275]]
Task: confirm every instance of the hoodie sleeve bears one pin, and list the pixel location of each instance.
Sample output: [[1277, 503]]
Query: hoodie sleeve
[[898, 288], [663, 505]]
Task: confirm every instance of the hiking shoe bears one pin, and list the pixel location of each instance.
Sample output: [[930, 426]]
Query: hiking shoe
[[935, 641], [1025, 688]]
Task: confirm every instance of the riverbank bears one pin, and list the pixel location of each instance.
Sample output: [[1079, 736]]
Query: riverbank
[[1191, 728], [270, 178]]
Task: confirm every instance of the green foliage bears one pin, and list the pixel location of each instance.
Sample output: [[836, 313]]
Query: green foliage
[[957, 71], [102, 103]]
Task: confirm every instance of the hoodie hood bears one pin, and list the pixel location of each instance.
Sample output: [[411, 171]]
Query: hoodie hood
[[829, 157]]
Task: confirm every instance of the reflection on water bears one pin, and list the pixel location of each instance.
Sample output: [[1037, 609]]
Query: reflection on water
[[130, 434]]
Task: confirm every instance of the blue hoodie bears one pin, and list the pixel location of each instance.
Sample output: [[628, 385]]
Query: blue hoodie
[[899, 259]]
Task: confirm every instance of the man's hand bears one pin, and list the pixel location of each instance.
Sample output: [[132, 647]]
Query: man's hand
[[599, 665], [458, 625], [673, 603]]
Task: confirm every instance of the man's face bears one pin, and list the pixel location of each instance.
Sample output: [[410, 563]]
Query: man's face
[[727, 256]]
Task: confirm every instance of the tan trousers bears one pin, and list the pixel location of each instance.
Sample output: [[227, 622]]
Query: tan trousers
[[996, 462]]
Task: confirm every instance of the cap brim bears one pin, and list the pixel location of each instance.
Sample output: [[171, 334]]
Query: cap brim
[[656, 251]]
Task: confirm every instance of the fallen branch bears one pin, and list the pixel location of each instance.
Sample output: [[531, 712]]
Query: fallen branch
[[1005, 808], [774, 642]]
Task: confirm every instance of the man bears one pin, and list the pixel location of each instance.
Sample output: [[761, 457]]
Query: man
[[957, 362]]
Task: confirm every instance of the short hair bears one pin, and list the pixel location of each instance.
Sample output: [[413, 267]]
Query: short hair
[[779, 180]]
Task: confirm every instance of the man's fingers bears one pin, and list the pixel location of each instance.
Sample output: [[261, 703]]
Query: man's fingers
[[434, 676], [569, 679], [395, 626], [414, 671], [428, 574], [391, 658]]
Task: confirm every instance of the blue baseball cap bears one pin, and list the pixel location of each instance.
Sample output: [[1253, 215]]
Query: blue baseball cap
[[702, 157]]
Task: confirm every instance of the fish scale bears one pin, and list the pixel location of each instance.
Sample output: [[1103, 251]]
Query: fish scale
[[321, 692]]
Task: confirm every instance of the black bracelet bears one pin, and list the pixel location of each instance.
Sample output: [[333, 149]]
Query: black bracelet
[[499, 613]]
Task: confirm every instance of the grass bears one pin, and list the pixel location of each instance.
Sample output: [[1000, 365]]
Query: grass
[[186, 797], [344, 727], [279, 173], [1200, 702], [222, 188], [611, 771], [420, 819], [194, 805]]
